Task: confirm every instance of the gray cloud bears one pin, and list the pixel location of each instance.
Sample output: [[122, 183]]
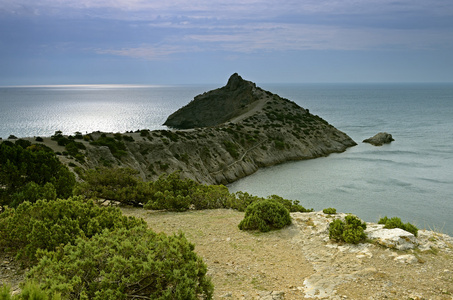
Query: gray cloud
[[194, 30]]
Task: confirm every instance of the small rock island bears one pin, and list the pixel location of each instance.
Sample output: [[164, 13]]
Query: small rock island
[[220, 136], [380, 139]]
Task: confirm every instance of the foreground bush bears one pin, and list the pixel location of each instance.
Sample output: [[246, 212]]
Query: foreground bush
[[168, 192], [49, 224], [30, 291], [291, 205], [349, 231], [118, 184], [30, 171], [124, 264], [241, 200], [396, 222], [264, 216], [329, 211]]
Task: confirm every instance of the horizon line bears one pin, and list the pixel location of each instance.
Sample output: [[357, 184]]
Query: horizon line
[[133, 85]]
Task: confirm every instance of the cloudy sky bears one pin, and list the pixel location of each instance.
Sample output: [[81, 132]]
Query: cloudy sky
[[205, 41]]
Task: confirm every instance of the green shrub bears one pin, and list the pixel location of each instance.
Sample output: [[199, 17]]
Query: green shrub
[[173, 136], [232, 148], [350, 231], [280, 145], [241, 200], [117, 136], [117, 147], [265, 215], [291, 205], [21, 169], [49, 224], [124, 264], [396, 222], [32, 192], [30, 291], [210, 196], [144, 132], [329, 211], [128, 138], [60, 138], [118, 184], [170, 192], [78, 135], [74, 147]]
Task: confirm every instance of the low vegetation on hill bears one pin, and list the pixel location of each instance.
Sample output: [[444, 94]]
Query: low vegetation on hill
[[64, 235]]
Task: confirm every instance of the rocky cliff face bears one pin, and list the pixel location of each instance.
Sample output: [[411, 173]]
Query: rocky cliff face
[[229, 133]]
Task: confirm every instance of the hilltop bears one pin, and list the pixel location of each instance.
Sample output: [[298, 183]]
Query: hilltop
[[219, 137], [300, 262], [233, 102]]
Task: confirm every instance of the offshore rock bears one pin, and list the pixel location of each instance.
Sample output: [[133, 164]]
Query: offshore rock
[[380, 139]]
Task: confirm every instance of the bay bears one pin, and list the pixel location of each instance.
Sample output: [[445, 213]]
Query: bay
[[411, 178]]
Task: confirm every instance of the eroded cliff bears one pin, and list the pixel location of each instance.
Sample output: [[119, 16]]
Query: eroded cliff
[[228, 133]]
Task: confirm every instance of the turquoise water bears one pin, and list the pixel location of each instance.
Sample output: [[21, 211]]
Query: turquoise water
[[411, 178]]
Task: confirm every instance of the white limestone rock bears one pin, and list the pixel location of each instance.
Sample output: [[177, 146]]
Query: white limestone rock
[[406, 259], [395, 238]]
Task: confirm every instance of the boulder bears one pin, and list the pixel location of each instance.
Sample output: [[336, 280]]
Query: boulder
[[395, 238], [380, 139], [406, 259]]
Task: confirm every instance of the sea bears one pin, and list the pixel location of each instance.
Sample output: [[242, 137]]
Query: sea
[[411, 178]]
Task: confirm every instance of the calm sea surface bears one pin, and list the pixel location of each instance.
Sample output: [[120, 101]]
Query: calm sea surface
[[412, 178]]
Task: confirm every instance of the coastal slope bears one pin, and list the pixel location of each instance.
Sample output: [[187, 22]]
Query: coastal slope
[[219, 137]]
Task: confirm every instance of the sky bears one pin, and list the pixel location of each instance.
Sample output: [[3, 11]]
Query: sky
[[205, 41]]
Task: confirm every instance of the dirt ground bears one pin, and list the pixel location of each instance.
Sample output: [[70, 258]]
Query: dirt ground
[[298, 262]]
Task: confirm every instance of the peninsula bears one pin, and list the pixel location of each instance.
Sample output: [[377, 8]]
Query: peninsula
[[219, 137]]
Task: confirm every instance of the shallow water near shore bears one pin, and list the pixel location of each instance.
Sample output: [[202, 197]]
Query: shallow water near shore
[[411, 178]]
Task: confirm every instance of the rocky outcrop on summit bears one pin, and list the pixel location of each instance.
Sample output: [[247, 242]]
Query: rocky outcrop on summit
[[380, 139], [217, 106], [230, 133]]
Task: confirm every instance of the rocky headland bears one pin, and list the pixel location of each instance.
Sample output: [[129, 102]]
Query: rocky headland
[[219, 137]]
